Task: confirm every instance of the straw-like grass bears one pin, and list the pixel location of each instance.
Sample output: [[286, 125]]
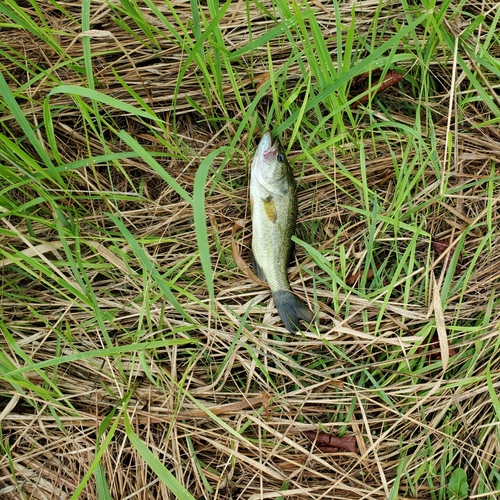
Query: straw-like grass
[[138, 360]]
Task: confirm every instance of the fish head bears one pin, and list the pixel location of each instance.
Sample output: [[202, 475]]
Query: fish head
[[269, 164]]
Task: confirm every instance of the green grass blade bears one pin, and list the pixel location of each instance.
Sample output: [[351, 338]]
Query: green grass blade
[[200, 219], [95, 95], [108, 351], [148, 158], [155, 465], [20, 116], [374, 60], [95, 468], [149, 266]]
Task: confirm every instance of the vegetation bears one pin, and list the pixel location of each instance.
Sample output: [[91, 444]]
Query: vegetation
[[139, 360]]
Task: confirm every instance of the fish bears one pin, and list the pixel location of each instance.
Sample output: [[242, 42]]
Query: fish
[[273, 202]]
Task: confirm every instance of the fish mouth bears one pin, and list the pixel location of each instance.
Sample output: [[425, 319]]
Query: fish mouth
[[270, 154], [270, 147]]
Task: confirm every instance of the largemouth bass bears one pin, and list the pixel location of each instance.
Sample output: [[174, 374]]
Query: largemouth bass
[[273, 201]]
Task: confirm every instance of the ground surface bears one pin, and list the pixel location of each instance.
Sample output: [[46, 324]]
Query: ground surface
[[138, 359]]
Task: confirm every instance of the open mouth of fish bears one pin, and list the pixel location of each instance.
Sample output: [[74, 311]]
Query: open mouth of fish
[[270, 153]]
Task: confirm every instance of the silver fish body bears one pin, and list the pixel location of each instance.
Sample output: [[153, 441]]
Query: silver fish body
[[274, 214]]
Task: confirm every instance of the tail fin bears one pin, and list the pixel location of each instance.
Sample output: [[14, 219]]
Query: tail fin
[[291, 309]]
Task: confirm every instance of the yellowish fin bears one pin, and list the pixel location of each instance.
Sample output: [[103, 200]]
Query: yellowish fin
[[270, 209]]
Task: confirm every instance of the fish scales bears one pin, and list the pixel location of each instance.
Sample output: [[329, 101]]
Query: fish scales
[[274, 214]]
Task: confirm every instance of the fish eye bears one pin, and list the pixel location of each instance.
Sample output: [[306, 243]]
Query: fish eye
[[280, 157]]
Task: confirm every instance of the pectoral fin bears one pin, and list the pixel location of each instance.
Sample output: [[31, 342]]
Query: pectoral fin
[[270, 209]]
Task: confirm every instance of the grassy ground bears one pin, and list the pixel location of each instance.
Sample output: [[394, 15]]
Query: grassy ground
[[138, 359]]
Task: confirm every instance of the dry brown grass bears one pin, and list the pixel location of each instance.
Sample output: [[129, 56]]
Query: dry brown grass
[[224, 412]]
